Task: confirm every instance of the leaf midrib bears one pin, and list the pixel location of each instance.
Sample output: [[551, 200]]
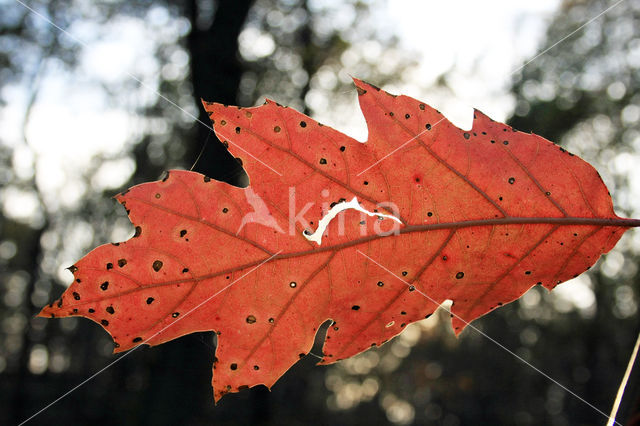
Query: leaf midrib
[[560, 221]]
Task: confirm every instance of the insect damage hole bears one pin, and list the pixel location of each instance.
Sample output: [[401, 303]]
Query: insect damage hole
[[334, 211]]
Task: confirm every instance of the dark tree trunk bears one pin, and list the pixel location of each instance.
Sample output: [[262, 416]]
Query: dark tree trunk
[[180, 367], [215, 73]]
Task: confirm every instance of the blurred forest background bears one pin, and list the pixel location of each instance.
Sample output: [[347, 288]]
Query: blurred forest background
[[584, 93]]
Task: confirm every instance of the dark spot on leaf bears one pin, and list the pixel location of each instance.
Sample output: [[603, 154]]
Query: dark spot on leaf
[[412, 288], [444, 258], [271, 320], [75, 310], [59, 304], [223, 122], [380, 284], [512, 180], [407, 116], [547, 193], [427, 126], [403, 313], [238, 130], [157, 195], [122, 262], [91, 310], [293, 284], [175, 314], [110, 310], [342, 148], [460, 275], [138, 232], [360, 91], [137, 339], [255, 367], [116, 345], [233, 366], [104, 285], [251, 319], [365, 183], [183, 233], [303, 124], [207, 179], [104, 322], [527, 272], [109, 265], [157, 265], [72, 268], [300, 355], [429, 214], [323, 161], [404, 273], [185, 270], [355, 307], [277, 129], [391, 114], [505, 143], [150, 300], [421, 106], [466, 135]]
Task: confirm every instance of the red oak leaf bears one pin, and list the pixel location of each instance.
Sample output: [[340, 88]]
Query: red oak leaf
[[485, 215]]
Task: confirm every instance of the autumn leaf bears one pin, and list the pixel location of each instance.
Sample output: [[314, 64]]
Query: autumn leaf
[[477, 216]]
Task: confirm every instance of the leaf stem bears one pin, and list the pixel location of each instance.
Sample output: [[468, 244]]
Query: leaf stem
[[623, 384]]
